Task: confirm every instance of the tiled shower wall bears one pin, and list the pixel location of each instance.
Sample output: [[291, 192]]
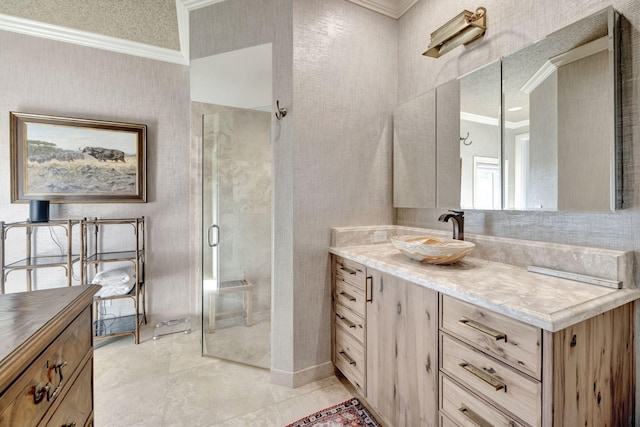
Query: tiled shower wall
[[240, 140]]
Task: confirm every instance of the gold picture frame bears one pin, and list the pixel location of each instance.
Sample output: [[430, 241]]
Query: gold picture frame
[[68, 160]]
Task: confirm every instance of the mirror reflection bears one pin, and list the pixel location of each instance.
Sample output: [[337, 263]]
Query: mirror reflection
[[538, 130], [480, 152], [559, 121], [414, 153]]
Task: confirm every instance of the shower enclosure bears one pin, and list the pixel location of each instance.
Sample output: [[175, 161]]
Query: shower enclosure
[[237, 188]]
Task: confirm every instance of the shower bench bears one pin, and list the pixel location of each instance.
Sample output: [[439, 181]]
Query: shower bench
[[227, 287]]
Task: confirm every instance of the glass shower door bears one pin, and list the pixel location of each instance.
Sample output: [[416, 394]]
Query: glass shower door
[[236, 288]]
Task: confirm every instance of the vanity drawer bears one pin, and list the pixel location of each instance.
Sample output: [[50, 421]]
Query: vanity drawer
[[351, 272], [463, 408], [47, 378], [501, 384], [511, 341], [350, 321], [350, 358], [350, 296], [77, 406]]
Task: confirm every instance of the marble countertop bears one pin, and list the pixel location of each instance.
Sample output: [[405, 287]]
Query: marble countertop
[[547, 302]]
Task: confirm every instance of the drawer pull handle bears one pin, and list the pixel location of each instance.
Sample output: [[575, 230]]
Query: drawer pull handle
[[497, 335], [348, 358], [347, 296], [348, 270], [484, 376], [57, 369], [473, 417], [40, 392], [369, 291], [346, 321]]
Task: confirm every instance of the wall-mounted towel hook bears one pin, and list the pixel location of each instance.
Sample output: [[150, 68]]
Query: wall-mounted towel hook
[[282, 112], [464, 140]]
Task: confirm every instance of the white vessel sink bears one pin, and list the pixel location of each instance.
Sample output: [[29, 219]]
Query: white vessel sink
[[432, 250]]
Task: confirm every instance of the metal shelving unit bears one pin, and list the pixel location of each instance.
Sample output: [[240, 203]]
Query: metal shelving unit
[[31, 261], [92, 259]]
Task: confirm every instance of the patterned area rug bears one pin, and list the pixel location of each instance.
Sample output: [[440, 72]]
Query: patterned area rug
[[350, 413]]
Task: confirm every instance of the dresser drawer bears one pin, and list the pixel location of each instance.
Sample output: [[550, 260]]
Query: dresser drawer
[[77, 406], [467, 410], [351, 272], [31, 395], [350, 358], [509, 340], [501, 384], [350, 321], [350, 296]]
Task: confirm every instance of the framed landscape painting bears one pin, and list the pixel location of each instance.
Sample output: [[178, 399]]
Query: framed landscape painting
[[66, 160]]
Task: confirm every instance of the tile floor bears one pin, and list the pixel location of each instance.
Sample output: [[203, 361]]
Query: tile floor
[[167, 383], [233, 340]]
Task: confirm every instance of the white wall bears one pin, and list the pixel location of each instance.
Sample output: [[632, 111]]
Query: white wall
[[54, 78]]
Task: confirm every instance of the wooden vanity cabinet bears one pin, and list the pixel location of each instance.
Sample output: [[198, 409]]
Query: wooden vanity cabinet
[[589, 372], [349, 295], [402, 351], [498, 371], [420, 358]]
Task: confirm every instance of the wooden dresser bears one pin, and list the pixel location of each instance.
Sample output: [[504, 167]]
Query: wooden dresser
[[46, 357]]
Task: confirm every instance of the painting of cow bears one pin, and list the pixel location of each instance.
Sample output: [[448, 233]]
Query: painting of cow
[[104, 154]]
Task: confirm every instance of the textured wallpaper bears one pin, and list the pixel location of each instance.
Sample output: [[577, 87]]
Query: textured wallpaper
[[54, 78], [152, 22], [513, 25], [335, 72], [228, 26], [344, 85]]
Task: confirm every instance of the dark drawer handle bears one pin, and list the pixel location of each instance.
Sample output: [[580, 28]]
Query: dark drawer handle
[[484, 376], [497, 335], [348, 270], [348, 358], [57, 369], [473, 417], [346, 321], [347, 296], [40, 392]]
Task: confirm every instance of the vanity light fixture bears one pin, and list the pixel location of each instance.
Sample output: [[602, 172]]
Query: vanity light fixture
[[463, 29]]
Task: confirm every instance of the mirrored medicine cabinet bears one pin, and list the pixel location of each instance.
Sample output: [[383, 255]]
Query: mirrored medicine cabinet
[[536, 130]]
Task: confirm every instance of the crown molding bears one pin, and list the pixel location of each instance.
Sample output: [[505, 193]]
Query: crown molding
[[182, 14], [197, 4], [477, 118], [549, 67], [392, 8], [83, 38], [516, 125]]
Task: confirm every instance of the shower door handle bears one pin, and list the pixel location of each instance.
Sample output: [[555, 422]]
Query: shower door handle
[[213, 245]]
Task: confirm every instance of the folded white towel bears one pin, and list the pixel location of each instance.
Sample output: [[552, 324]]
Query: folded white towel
[[114, 290]]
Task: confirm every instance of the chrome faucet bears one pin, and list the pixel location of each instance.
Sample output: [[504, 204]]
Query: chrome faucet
[[457, 219]]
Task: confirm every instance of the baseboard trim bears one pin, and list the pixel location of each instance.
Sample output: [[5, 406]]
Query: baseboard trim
[[302, 377]]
